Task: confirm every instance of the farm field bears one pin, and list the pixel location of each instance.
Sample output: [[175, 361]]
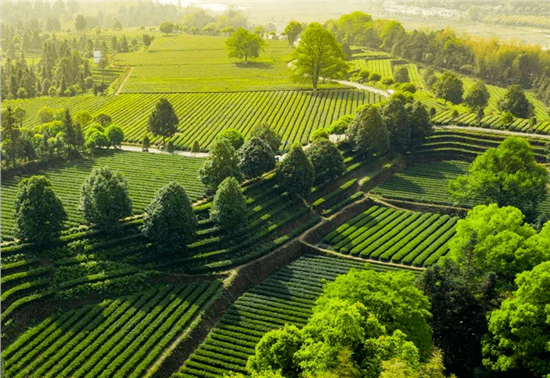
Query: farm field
[[287, 296], [198, 63], [120, 337], [394, 235], [294, 114], [146, 173]]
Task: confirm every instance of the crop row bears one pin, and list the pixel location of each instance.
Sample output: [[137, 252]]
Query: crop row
[[380, 66], [286, 297], [146, 173], [117, 338], [394, 235], [294, 114]]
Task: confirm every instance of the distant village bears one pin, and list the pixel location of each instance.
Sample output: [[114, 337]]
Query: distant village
[[393, 7]]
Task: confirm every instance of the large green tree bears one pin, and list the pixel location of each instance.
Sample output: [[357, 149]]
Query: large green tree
[[232, 135], [295, 173], [266, 133], [221, 163], [169, 219], [496, 239], [420, 124], [327, 160], [229, 209], [39, 214], [449, 87], [255, 157], [507, 175], [163, 121], [11, 136], [292, 31], [318, 55], [515, 101], [367, 132], [396, 118], [478, 96], [244, 44], [115, 134], [519, 332], [104, 198]]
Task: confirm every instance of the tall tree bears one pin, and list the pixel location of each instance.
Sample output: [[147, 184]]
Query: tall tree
[[449, 87], [367, 132], [255, 157], [244, 44], [421, 126], [292, 31], [478, 96], [296, 173], [396, 119], [327, 160], [507, 175], [229, 209], [80, 23], [268, 135], [169, 219], [515, 101], [11, 136], [39, 214], [104, 198], [163, 121], [318, 55], [220, 164]]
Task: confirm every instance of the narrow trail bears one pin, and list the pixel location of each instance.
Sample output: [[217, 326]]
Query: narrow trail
[[364, 87], [124, 81], [493, 131], [157, 151]]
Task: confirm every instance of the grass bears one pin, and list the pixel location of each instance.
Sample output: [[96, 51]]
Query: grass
[[198, 63]]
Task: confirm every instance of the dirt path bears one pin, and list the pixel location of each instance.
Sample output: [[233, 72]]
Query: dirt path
[[493, 131], [364, 87], [157, 151], [124, 81]]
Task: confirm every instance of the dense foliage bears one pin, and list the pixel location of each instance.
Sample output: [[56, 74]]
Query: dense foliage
[[255, 157], [221, 163], [163, 121], [296, 173], [229, 209], [39, 214], [232, 135], [368, 133], [169, 220], [104, 198], [327, 160], [270, 136], [244, 44]]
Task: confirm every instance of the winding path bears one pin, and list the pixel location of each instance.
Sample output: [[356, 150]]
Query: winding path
[[364, 87]]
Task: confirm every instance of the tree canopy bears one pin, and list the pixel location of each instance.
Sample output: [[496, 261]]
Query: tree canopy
[[169, 219], [401, 75], [292, 31], [255, 157], [104, 198], [268, 135], [367, 132], [396, 119], [244, 44], [232, 135], [229, 209], [507, 175], [221, 163], [519, 331], [295, 173], [163, 121], [39, 213], [515, 101], [318, 55], [327, 160], [449, 87], [478, 96]]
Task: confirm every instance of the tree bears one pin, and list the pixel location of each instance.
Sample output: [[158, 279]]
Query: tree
[[80, 23], [390, 297], [396, 119], [515, 102], [169, 220], [327, 161], [229, 209], [255, 157], [507, 175], [496, 239], [318, 55], [402, 75], [146, 143], [83, 118], [196, 147], [163, 121], [374, 77], [519, 332], [103, 119], [234, 136], [478, 96], [104, 198], [368, 133], [292, 31], [39, 213], [268, 135], [420, 124], [20, 114], [244, 44], [295, 173], [115, 134], [147, 39], [45, 114], [460, 298], [166, 27], [449, 87], [220, 164], [11, 136]]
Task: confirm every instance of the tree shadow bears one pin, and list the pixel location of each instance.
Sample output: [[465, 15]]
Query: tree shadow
[[257, 65], [401, 183]]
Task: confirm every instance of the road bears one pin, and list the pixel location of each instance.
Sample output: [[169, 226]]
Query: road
[[364, 87]]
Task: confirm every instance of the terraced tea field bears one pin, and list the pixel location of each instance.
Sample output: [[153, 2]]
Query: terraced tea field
[[294, 114], [146, 173], [120, 337], [287, 296], [394, 235]]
